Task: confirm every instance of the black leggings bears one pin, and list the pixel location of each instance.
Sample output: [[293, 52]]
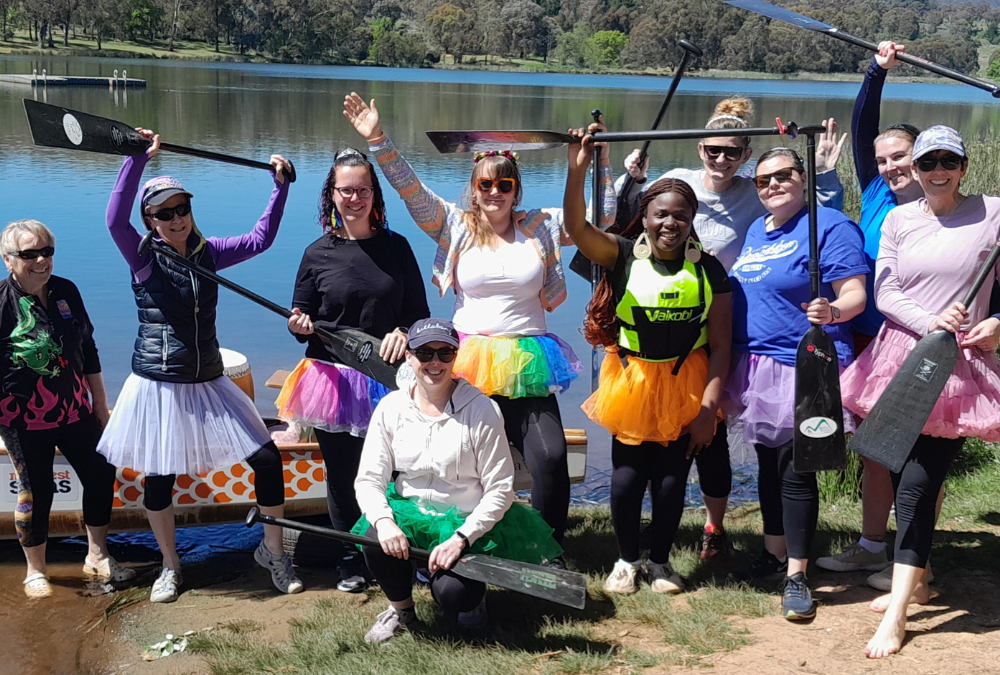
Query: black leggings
[[268, 481], [395, 575], [667, 469], [342, 455], [534, 427], [33, 455], [789, 501], [916, 488], [715, 472]]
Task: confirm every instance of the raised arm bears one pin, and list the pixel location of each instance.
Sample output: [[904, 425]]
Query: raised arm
[[229, 251], [430, 212], [598, 246], [867, 112], [120, 210]]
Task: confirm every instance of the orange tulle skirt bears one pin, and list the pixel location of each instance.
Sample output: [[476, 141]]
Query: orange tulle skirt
[[646, 401]]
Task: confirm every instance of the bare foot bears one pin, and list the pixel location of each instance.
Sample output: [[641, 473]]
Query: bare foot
[[921, 596], [888, 638]]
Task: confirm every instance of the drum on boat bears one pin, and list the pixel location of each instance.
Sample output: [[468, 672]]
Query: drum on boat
[[236, 367]]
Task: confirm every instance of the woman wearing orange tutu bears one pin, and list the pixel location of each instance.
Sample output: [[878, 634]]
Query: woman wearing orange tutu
[[931, 249], [665, 308]]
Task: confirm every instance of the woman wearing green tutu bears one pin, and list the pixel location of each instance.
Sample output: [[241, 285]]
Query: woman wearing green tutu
[[454, 487]]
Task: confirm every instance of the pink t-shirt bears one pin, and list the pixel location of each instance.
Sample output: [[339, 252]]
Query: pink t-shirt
[[925, 263]]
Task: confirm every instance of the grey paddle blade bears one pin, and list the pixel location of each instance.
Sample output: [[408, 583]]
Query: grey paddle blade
[[559, 586], [780, 14], [361, 351], [892, 427], [483, 141], [819, 443], [56, 127]]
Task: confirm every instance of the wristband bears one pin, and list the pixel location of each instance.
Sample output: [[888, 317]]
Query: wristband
[[378, 139], [640, 181], [835, 313], [464, 539]]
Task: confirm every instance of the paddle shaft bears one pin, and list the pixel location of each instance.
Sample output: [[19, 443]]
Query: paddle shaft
[[595, 270], [980, 279], [149, 242], [814, 277], [228, 159], [791, 130]]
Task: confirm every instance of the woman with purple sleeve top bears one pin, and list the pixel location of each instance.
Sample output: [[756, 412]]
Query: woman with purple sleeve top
[[177, 412]]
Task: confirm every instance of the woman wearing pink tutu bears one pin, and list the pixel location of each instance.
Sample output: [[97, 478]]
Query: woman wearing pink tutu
[[772, 309], [358, 275], [931, 250]]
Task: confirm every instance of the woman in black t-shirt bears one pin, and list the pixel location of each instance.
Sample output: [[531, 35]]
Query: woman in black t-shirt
[[357, 275]]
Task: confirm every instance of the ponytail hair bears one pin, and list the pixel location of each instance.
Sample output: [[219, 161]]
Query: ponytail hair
[[601, 324]]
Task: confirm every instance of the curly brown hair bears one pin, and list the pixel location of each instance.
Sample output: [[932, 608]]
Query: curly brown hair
[[600, 326]]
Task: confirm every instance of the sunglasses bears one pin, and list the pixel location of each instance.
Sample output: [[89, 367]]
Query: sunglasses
[[947, 162], [166, 215], [33, 253], [361, 192], [783, 176], [505, 185], [444, 354], [731, 153]]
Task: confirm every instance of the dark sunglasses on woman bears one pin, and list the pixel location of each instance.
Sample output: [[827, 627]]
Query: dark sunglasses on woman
[[505, 185], [731, 153], [166, 215], [783, 176], [444, 354], [33, 253], [947, 162]]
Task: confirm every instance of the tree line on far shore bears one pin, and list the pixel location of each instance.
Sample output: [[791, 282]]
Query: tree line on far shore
[[591, 34]]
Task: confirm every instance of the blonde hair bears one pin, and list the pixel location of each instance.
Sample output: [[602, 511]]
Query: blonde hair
[[496, 166], [12, 233], [733, 113]]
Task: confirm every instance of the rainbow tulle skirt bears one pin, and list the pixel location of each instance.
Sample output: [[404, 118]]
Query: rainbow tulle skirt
[[329, 397], [520, 535], [517, 367]]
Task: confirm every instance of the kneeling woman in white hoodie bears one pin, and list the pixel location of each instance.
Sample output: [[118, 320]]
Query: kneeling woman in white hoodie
[[454, 487]]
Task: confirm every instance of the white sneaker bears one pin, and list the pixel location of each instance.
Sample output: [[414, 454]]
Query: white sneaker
[[390, 623], [855, 558], [663, 578], [352, 584], [107, 569], [882, 581], [165, 586], [280, 567], [622, 578]]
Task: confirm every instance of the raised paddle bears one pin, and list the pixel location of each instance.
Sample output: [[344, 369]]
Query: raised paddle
[[818, 443], [548, 583], [57, 127], [623, 216], [353, 347], [791, 18], [896, 421]]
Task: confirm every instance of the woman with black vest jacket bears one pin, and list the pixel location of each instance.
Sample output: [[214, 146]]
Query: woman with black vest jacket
[[177, 413]]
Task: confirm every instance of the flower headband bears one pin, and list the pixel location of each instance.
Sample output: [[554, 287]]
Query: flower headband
[[512, 156]]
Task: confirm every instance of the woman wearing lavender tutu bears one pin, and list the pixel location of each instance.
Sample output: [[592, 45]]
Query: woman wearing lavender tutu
[[772, 309], [358, 275]]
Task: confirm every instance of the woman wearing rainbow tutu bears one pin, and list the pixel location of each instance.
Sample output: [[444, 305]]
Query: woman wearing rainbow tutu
[[505, 267]]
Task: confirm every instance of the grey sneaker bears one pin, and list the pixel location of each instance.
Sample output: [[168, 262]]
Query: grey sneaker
[[280, 567], [882, 581], [663, 578], [165, 587], [390, 623], [352, 584], [855, 558]]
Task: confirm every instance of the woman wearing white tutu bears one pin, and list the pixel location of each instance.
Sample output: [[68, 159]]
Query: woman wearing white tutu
[[177, 413]]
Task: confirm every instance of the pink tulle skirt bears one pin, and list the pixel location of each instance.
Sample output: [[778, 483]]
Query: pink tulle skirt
[[760, 394], [329, 397], [969, 404]]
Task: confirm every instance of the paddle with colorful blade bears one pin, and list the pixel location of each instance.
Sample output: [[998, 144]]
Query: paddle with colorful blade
[[818, 443], [623, 217], [791, 18], [548, 583], [353, 347], [57, 127], [896, 421]]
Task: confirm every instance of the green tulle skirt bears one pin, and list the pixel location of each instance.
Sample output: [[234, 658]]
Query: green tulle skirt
[[521, 535]]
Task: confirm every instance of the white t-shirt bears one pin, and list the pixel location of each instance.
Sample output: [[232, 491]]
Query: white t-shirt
[[498, 290]]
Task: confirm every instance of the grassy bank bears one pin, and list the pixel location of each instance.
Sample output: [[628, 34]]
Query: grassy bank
[[613, 634]]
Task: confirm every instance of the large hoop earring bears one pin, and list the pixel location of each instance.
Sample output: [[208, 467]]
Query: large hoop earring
[[692, 251], [642, 250]]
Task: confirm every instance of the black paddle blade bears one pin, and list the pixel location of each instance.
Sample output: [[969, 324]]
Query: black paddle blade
[[483, 141], [819, 443], [892, 427], [559, 586], [360, 351], [56, 127]]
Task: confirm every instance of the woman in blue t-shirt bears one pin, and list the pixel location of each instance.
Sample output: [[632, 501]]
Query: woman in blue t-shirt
[[772, 310]]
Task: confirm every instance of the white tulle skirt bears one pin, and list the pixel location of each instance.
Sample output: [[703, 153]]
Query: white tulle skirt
[[159, 428]]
